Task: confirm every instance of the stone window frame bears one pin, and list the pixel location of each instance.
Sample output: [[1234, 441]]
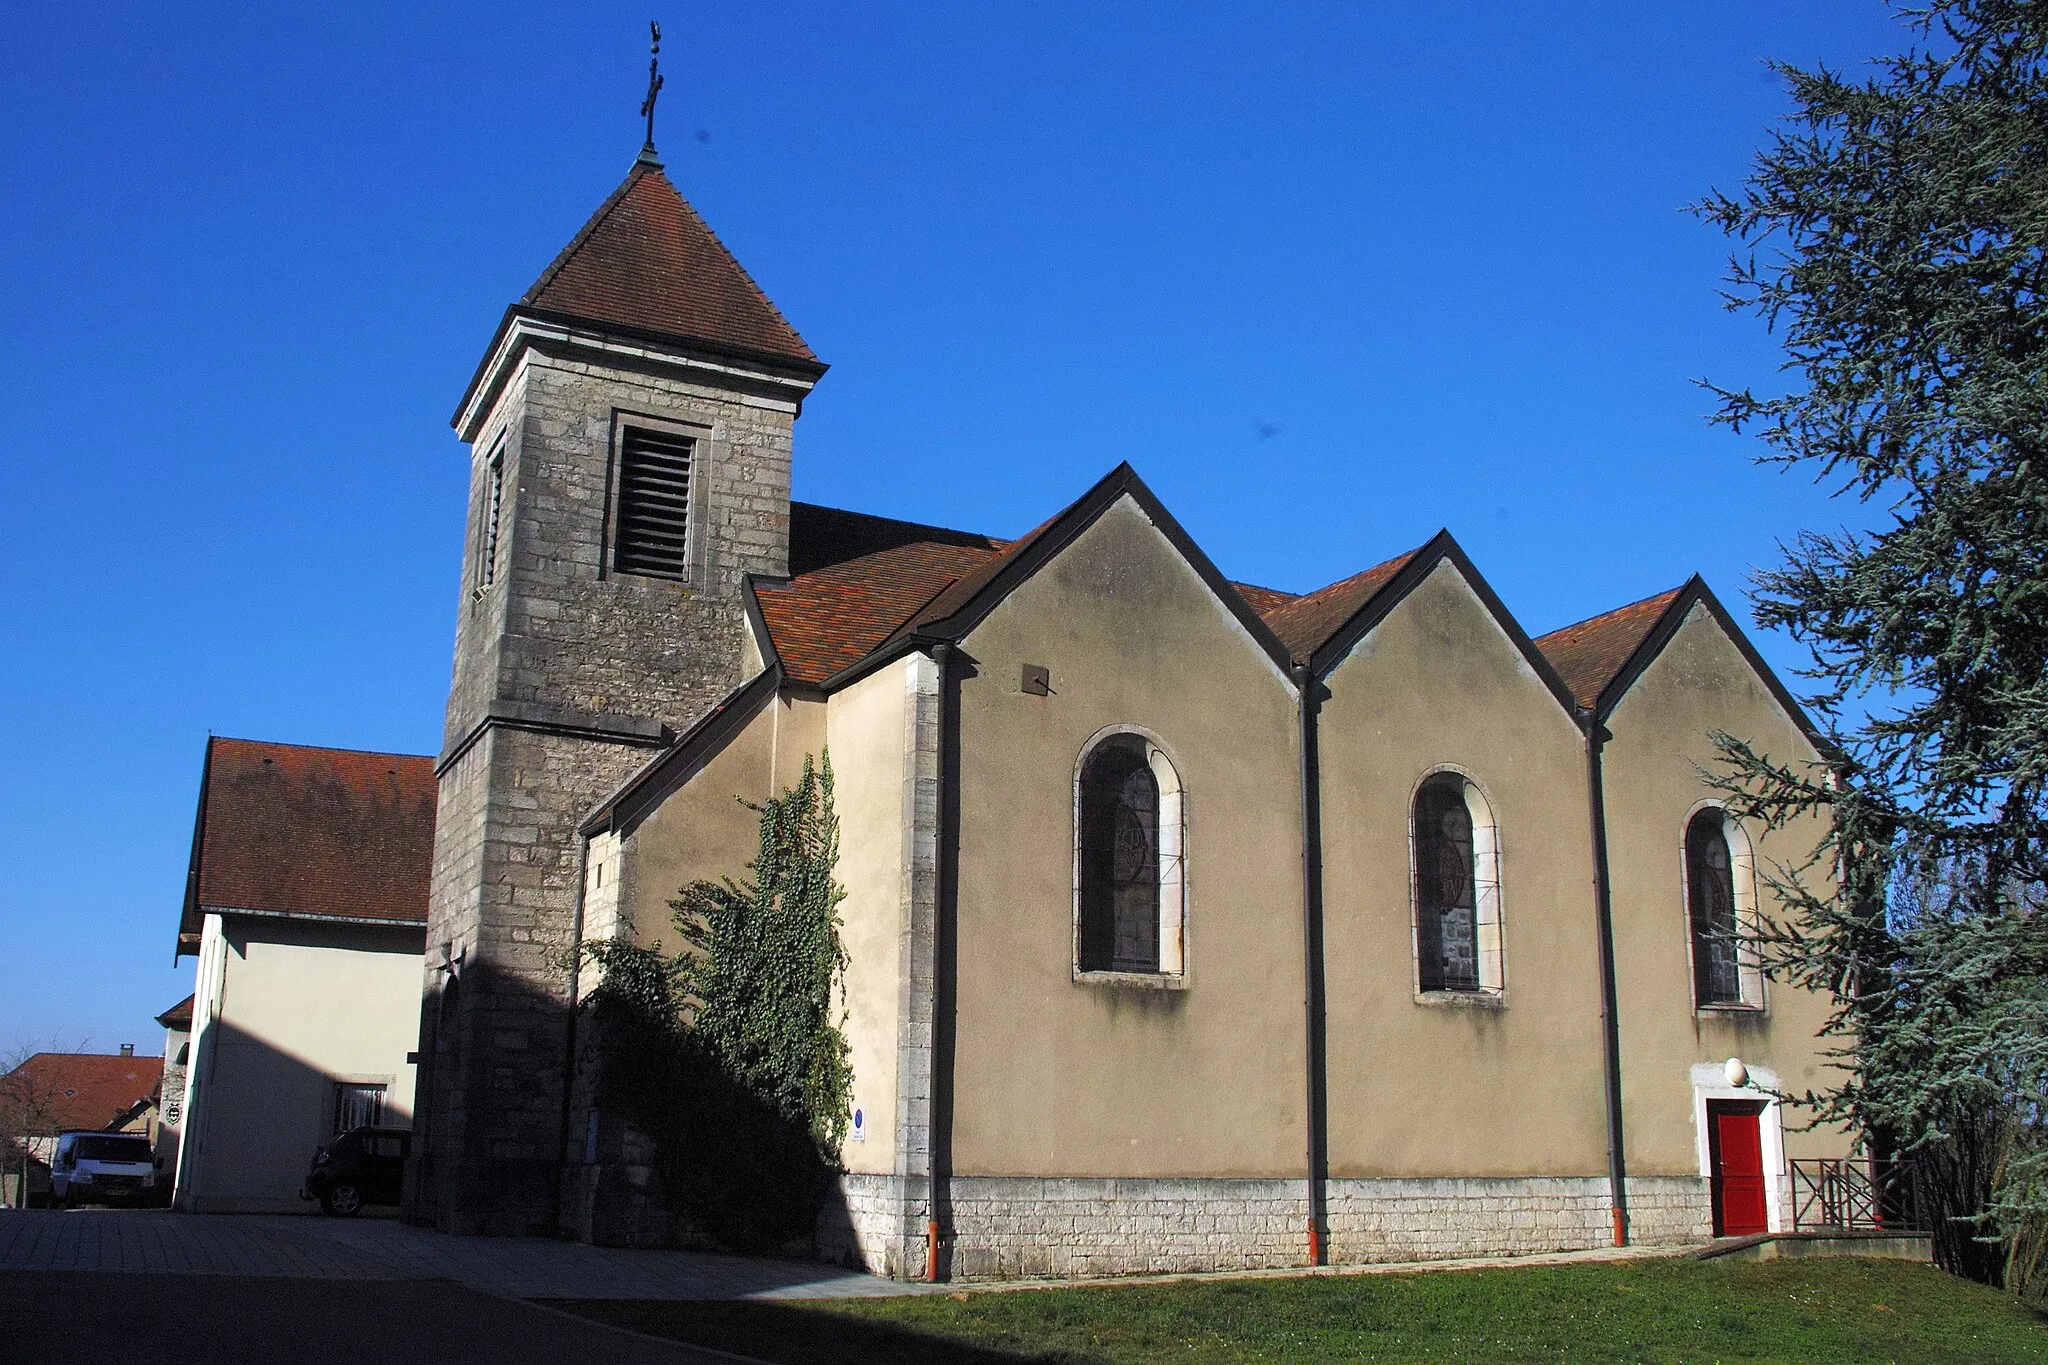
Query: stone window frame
[[1174, 958], [703, 457], [1489, 915], [1748, 910]]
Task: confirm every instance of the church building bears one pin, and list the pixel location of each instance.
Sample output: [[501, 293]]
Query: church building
[[1190, 924]]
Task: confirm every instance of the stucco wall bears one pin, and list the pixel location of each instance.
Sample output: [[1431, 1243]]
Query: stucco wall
[[1055, 1077], [1465, 1088], [868, 730], [1699, 683], [702, 830], [285, 1010]]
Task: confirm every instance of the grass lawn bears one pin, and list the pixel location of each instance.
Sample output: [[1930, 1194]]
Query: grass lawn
[[1809, 1311]]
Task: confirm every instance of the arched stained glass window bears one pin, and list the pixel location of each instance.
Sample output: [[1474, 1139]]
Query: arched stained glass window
[[1446, 887], [1120, 859], [1710, 896]]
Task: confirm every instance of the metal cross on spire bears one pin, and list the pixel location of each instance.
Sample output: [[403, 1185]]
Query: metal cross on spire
[[654, 84]]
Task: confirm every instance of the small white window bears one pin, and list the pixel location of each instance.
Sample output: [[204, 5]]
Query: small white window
[[357, 1106]]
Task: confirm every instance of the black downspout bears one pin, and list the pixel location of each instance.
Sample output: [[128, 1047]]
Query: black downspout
[[1307, 700], [945, 964], [1610, 1025]]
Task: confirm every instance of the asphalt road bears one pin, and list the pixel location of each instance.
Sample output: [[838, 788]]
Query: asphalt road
[[56, 1317]]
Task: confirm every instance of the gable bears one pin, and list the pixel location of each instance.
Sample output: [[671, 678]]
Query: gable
[[1390, 585], [1122, 581], [1703, 677], [1449, 632]]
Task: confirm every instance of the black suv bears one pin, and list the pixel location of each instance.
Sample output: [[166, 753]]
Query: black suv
[[361, 1166]]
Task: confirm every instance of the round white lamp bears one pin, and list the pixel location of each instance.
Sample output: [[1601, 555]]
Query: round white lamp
[[1735, 1071]]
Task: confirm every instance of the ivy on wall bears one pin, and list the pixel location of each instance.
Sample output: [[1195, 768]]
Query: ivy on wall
[[726, 1054]]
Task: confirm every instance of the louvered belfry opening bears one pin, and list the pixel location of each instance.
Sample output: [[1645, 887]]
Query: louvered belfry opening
[[654, 503], [494, 507]]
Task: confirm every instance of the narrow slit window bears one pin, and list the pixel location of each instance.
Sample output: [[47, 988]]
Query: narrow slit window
[[1448, 933], [1458, 945], [653, 537], [487, 539], [1710, 892], [1130, 883]]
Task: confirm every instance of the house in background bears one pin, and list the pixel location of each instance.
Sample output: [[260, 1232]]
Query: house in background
[[306, 906], [170, 1123], [55, 1091]]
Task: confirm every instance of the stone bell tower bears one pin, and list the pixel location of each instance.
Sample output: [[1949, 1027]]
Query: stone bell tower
[[629, 432]]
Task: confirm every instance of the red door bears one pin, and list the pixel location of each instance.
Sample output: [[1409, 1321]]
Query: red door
[[1735, 1144]]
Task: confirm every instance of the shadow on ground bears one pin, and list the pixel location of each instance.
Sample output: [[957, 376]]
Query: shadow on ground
[[789, 1335], [88, 1317]]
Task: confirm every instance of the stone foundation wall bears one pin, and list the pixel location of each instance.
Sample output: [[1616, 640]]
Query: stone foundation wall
[[1079, 1228], [860, 1224], [1664, 1209], [1421, 1220], [1019, 1226]]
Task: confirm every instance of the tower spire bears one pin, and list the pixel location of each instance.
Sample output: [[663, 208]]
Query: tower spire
[[654, 84]]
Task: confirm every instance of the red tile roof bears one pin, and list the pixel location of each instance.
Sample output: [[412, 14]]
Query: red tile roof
[[178, 1016], [645, 260], [1263, 600], [1589, 655], [859, 581], [295, 830], [56, 1090], [1305, 623], [832, 618]]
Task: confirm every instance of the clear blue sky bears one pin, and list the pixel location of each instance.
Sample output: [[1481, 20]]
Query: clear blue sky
[[1330, 276]]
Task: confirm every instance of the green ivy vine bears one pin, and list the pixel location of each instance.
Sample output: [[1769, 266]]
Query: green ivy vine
[[727, 1053]]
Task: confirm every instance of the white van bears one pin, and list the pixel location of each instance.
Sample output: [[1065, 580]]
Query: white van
[[102, 1168]]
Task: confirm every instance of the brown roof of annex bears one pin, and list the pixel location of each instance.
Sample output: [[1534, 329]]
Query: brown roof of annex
[[291, 830], [645, 261]]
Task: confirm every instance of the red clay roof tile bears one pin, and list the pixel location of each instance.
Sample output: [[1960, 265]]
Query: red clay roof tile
[[1589, 655], [295, 830], [57, 1090], [1305, 623], [830, 619], [646, 260]]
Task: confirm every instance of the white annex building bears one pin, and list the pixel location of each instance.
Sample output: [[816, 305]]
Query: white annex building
[[306, 909]]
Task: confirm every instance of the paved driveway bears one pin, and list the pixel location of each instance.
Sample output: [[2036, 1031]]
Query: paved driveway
[[158, 1242]]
